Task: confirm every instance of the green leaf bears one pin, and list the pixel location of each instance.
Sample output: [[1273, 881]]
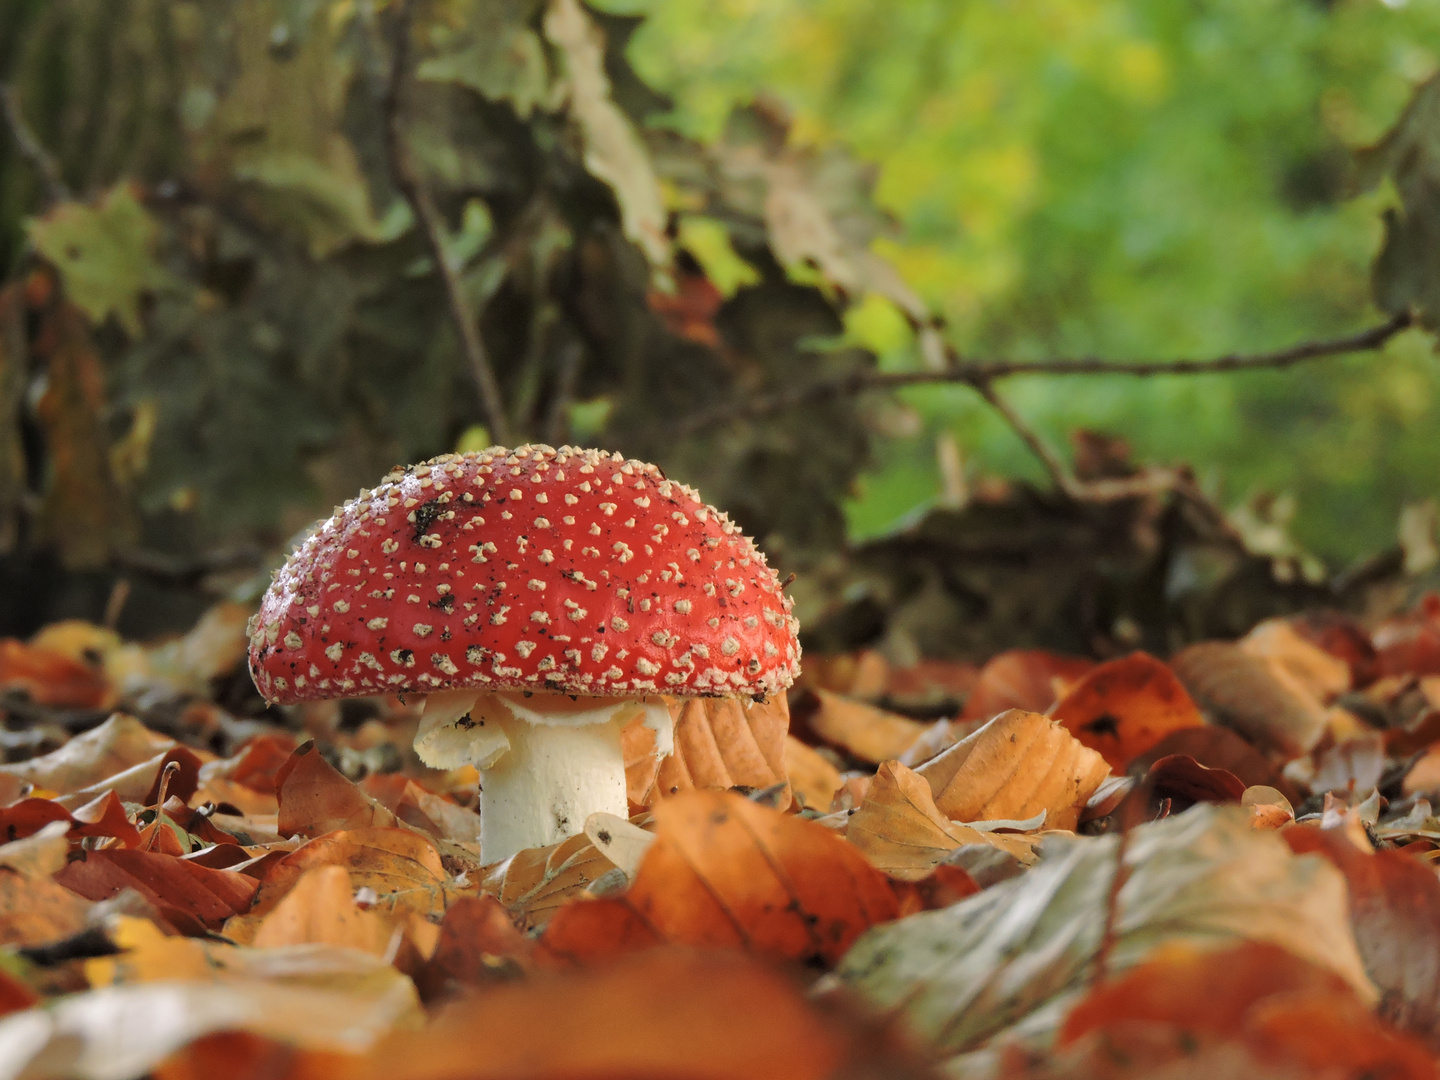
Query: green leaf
[[105, 253], [491, 49]]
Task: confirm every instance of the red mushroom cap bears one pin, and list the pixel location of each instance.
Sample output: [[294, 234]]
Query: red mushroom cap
[[529, 569]]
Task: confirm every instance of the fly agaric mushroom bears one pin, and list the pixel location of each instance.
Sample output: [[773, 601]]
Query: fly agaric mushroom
[[540, 600]]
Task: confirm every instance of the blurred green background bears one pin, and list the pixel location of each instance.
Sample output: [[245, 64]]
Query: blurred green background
[[1126, 178]]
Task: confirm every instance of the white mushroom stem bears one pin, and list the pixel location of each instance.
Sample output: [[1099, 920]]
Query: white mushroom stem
[[546, 761]]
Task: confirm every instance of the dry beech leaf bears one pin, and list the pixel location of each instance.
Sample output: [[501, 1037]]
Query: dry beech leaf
[[478, 945], [664, 1013], [312, 998], [34, 911], [726, 872], [866, 732], [1029, 679], [40, 854], [1124, 707], [1395, 909], [719, 743], [1253, 696], [49, 677], [1219, 748], [1017, 765], [1007, 963], [1277, 641], [813, 779], [320, 910], [1253, 1011], [533, 884], [120, 743], [316, 799], [901, 832], [183, 891]]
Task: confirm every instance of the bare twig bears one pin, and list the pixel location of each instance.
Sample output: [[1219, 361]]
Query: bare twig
[[428, 216], [977, 372], [31, 149]]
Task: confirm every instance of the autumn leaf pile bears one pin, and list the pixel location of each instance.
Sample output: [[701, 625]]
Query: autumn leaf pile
[[1217, 865]]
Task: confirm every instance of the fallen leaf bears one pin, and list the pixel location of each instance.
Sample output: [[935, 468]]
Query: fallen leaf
[[316, 799], [901, 832], [866, 732], [479, 944], [320, 909], [1251, 1010], [1173, 784], [535, 883], [1252, 696], [665, 1013], [1029, 679], [1219, 748], [51, 678], [1277, 641], [1019, 954], [1017, 765], [40, 854], [813, 779], [120, 743], [1343, 638], [1395, 910], [727, 872], [1124, 707], [34, 911], [719, 743], [412, 805], [181, 890]]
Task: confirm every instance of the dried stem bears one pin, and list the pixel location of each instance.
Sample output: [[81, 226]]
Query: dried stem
[[31, 149], [432, 227]]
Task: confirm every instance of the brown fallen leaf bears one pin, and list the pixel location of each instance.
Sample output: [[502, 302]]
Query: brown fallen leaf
[[900, 831], [316, 799], [1279, 642], [1029, 679], [666, 1013], [1252, 1010], [813, 779], [1395, 910], [412, 805], [726, 872], [1220, 748], [185, 893], [40, 854], [478, 946], [719, 743], [49, 677], [120, 743], [866, 732], [34, 911], [1124, 707], [321, 910], [535, 883], [1253, 696], [1172, 785], [1017, 765]]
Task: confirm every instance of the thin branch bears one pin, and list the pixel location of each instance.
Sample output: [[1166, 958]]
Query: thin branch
[[31, 149], [432, 226], [977, 372]]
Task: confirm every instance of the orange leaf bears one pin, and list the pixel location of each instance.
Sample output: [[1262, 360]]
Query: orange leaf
[[1017, 765], [479, 945], [726, 872], [181, 890], [535, 883], [1029, 679], [719, 743], [866, 732], [1255, 697], [1124, 707], [52, 678], [34, 911], [321, 909], [315, 799], [813, 779]]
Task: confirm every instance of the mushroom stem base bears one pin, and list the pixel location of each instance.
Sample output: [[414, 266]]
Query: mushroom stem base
[[552, 778]]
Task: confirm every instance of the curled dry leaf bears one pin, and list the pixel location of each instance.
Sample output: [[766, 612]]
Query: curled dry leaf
[[49, 677], [1175, 783], [1253, 696], [119, 744], [1124, 707], [1011, 960], [1016, 766], [726, 872], [1252, 1010], [184, 892], [719, 743], [866, 732], [1395, 910], [1029, 679], [901, 832], [1219, 748], [478, 945], [813, 779]]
